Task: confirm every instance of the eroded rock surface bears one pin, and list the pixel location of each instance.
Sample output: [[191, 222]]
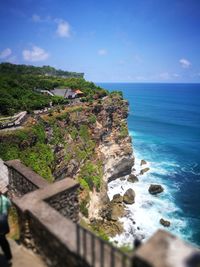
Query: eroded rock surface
[[132, 178], [155, 189], [165, 223], [129, 196]]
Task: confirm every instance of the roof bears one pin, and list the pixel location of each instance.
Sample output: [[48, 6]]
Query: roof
[[78, 91], [59, 92]]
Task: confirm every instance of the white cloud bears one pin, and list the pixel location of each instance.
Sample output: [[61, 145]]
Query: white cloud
[[36, 18], [165, 76], [185, 63], [36, 54], [176, 75], [5, 53], [102, 52], [63, 28]]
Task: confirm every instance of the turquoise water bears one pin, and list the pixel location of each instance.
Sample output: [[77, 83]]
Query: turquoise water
[[164, 121]]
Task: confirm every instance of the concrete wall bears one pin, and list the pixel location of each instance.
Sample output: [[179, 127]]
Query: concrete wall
[[22, 180]]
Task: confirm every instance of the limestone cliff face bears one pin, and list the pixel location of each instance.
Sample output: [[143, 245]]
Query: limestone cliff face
[[107, 134], [115, 148], [92, 143], [88, 142]]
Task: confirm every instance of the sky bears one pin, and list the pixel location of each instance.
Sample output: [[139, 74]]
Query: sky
[[108, 40]]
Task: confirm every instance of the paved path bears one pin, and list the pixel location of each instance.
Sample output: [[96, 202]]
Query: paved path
[[3, 174], [22, 257]]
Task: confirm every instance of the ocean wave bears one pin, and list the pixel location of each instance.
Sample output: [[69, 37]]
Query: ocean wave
[[144, 215], [193, 168]]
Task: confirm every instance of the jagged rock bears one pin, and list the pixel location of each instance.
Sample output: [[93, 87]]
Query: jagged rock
[[116, 211], [155, 189], [132, 178], [122, 168], [165, 223], [144, 170], [110, 228], [143, 162], [117, 198], [129, 196]]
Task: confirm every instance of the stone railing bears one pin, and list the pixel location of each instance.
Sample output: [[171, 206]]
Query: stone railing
[[22, 180], [48, 221]]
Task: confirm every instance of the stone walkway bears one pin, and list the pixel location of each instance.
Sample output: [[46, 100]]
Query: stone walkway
[[3, 175], [22, 257]]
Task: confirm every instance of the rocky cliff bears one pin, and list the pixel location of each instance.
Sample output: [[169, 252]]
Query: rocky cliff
[[86, 141]]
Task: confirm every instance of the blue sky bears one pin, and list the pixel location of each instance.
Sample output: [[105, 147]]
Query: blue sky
[[113, 40]]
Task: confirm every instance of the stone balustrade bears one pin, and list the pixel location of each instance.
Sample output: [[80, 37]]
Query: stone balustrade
[[48, 221]]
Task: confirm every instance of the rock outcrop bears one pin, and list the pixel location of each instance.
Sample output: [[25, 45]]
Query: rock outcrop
[[88, 142], [129, 196], [144, 170], [155, 189], [117, 198], [165, 223], [114, 209], [143, 162], [132, 178]]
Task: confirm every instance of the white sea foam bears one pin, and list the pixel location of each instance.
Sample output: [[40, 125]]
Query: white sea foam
[[144, 215]]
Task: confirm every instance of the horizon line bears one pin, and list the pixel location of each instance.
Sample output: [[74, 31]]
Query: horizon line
[[150, 82]]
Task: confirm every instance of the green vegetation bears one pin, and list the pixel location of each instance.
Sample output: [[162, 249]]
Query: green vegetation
[[95, 228], [92, 119], [126, 248], [117, 93], [83, 207], [18, 84], [123, 130], [39, 158], [29, 146], [91, 174], [100, 232], [7, 68]]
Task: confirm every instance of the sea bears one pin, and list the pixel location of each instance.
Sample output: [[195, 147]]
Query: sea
[[164, 123]]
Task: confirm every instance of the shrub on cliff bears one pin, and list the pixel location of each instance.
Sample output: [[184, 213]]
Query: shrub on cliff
[[123, 130], [39, 158], [91, 173], [117, 93], [92, 119]]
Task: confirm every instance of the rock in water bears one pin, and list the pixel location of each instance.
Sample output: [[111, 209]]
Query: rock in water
[[155, 189], [165, 223], [132, 178], [129, 196], [143, 162], [144, 170], [117, 198]]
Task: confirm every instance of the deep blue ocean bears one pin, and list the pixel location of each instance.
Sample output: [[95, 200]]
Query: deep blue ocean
[[164, 122]]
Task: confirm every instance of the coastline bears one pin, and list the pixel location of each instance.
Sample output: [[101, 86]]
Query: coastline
[[164, 121], [143, 217]]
